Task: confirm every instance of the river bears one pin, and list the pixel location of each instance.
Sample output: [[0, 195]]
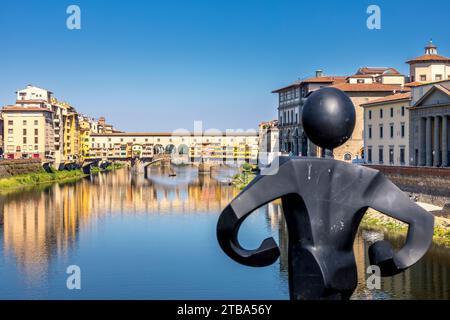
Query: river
[[154, 238]]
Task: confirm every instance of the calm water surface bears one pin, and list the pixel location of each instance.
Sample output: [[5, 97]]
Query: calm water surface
[[154, 238]]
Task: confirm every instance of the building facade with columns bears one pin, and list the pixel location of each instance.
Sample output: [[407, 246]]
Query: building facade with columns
[[429, 122]]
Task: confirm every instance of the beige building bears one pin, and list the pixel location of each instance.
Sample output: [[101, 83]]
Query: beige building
[[28, 132], [429, 67], [386, 130]]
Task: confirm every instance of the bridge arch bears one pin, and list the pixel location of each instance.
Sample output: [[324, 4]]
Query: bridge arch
[[183, 150], [158, 149], [170, 148]]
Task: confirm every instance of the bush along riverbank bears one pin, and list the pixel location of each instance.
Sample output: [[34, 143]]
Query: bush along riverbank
[[242, 179], [377, 221], [32, 179], [44, 177]]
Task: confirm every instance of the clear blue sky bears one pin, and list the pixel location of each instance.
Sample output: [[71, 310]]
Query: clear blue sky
[[160, 65]]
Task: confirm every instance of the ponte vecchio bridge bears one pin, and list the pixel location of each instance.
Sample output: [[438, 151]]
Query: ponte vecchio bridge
[[185, 146]]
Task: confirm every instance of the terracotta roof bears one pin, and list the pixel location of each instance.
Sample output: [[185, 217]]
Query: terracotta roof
[[361, 76], [377, 70], [414, 84], [417, 84], [429, 57], [352, 87], [391, 98], [325, 79], [31, 101], [25, 109]]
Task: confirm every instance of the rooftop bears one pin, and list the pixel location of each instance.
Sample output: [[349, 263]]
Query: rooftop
[[324, 79], [429, 57], [25, 109], [395, 97], [372, 87]]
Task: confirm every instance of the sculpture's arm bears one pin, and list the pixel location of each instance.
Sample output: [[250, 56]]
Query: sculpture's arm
[[390, 200], [259, 192]]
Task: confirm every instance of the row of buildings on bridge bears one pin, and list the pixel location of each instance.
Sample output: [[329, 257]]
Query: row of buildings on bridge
[[400, 119], [40, 126]]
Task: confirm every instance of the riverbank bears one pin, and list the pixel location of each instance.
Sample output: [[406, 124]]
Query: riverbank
[[377, 221], [242, 179], [33, 179], [18, 182]]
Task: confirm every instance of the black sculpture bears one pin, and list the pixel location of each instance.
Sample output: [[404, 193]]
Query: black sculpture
[[323, 202]]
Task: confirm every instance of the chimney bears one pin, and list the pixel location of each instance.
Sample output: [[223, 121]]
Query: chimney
[[319, 73]]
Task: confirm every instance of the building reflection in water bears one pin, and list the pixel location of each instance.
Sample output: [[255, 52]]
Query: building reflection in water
[[42, 224], [428, 279]]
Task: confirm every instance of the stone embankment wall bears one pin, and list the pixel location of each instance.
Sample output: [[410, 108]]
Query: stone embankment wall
[[431, 185], [9, 168]]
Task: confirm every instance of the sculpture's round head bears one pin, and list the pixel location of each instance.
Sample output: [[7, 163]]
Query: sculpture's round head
[[328, 118]]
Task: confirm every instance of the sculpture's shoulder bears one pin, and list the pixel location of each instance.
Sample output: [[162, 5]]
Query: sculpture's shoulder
[[328, 171]]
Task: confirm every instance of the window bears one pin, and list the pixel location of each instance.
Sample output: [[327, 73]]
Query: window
[[403, 111], [402, 133], [391, 155], [381, 113], [381, 131], [36, 122], [36, 132], [392, 112], [360, 81], [10, 131], [438, 77], [10, 122], [24, 140], [380, 155], [423, 77], [391, 131], [370, 132], [402, 155], [24, 122], [36, 140], [369, 155], [24, 132]]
